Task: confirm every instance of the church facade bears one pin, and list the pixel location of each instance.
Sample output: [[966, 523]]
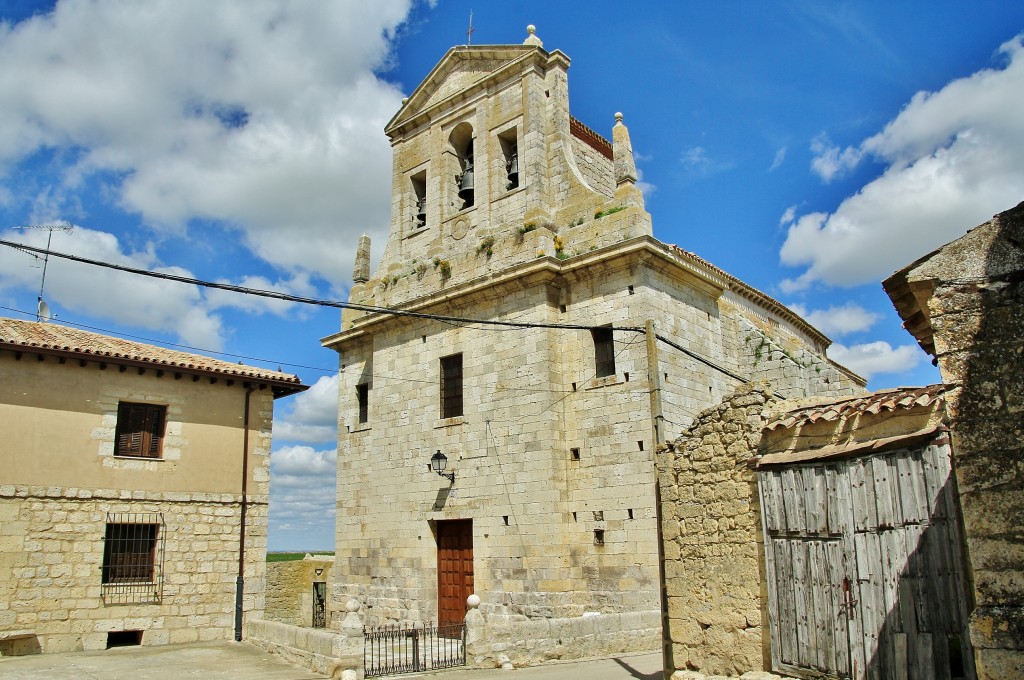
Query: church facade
[[512, 456]]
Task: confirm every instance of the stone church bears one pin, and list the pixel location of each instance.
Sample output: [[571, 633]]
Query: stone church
[[512, 456]]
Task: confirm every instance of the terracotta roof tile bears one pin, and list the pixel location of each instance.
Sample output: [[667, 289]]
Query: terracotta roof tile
[[873, 403], [33, 335]]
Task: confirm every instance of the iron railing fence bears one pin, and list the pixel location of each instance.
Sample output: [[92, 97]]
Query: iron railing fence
[[393, 649]]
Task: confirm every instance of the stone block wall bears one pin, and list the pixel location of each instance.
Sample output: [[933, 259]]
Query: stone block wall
[[51, 553], [712, 539], [289, 591], [494, 640]]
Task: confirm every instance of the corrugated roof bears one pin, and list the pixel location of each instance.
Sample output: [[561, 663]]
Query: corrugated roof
[[56, 338], [874, 403]]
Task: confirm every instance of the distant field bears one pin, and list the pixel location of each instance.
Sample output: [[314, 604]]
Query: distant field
[[288, 556]]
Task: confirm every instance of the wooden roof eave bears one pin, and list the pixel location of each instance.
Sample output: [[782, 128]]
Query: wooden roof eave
[[281, 388]]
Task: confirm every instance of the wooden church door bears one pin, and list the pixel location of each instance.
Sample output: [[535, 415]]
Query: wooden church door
[[454, 569]]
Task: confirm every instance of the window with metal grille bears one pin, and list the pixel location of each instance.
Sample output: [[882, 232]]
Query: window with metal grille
[[363, 397], [140, 430], [133, 551], [604, 351], [451, 386]]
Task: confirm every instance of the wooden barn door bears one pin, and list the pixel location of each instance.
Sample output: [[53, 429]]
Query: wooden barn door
[[864, 562], [454, 569]]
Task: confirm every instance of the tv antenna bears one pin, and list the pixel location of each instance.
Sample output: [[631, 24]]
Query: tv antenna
[[43, 309]]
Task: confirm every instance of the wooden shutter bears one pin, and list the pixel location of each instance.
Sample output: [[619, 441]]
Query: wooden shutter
[[140, 429]]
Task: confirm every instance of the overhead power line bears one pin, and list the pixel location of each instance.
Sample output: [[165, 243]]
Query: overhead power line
[[288, 297]]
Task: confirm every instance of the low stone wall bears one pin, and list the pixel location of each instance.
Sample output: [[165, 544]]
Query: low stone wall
[[336, 654], [494, 641]]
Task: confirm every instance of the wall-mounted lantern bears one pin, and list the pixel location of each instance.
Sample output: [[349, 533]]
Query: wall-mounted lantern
[[438, 462], [319, 571]]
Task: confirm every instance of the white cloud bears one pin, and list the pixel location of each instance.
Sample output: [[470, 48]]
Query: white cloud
[[788, 215], [302, 498], [871, 358], [313, 416], [222, 112], [954, 158], [780, 157], [110, 294], [300, 461], [185, 310], [830, 161], [838, 320]]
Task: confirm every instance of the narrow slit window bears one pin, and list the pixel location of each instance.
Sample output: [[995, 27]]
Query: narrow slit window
[[363, 398], [604, 351]]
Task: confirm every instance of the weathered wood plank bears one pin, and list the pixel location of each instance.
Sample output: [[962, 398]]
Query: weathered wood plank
[[863, 501], [801, 602], [899, 657], [787, 601], [883, 496], [792, 497], [770, 519], [768, 482], [925, 657]]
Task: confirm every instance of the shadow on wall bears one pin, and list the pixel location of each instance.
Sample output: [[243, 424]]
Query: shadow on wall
[[20, 645], [925, 602]]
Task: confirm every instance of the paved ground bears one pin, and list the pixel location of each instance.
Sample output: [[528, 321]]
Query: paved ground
[[630, 667], [213, 661], [240, 661]]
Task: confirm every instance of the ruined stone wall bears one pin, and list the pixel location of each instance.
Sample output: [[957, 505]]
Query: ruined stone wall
[[52, 541], [712, 539], [289, 593]]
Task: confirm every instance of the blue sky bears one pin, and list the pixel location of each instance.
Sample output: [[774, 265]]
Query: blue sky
[[808, 148]]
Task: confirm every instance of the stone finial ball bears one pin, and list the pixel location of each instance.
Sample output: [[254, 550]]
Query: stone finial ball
[[618, 116], [531, 29], [473, 601], [352, 605]]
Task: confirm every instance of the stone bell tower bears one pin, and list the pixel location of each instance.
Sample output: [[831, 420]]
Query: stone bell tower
[[490, 170]]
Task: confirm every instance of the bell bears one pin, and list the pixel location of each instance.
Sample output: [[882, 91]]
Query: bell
[[466, 185], [513, 171], [421, 210]]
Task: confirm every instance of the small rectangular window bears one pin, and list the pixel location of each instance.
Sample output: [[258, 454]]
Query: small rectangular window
[[133, 556], [129, 553], [604, 351], [451, 386], [363, 397], [140, 430]]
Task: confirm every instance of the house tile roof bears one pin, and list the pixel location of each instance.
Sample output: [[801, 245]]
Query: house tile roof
[[53, 338], [873, 403]]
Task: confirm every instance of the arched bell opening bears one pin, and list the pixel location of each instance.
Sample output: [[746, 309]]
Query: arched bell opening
[[461, 145], [510, 155]]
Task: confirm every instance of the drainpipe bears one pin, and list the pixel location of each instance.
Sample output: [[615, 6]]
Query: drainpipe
[[240, 581]]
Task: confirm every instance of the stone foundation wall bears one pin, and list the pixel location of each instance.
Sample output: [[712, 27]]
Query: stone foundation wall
[[712, 539], [331, 653], [494, 641], [51, 553]]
